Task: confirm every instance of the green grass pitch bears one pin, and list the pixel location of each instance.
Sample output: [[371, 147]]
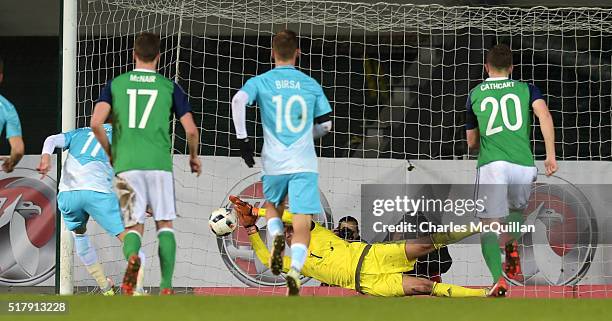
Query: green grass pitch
[[247, 308]]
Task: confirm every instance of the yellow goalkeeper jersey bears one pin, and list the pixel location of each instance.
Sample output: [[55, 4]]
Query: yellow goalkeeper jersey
[[330, 259]]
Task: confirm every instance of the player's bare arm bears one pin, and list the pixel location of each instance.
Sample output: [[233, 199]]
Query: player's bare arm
[[45, 164], [101, 112], [193, 141], [51, 143], [473, 138], [13, 131], [17, 151], [540, 109]]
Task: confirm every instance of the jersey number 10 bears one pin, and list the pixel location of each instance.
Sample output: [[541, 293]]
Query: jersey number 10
[[495, 104], [134, 93], [285, 112]]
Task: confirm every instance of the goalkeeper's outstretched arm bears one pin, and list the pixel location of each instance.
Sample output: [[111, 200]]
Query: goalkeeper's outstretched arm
[[248, 216], [261, 251]]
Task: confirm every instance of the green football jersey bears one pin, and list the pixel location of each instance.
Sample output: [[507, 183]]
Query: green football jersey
[[142, 103], [501, 109]]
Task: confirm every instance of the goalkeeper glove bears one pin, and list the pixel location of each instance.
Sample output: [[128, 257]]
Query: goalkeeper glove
[[244, 210], [246, 152]]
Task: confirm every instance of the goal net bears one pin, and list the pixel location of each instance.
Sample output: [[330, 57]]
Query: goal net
[[397, 76]]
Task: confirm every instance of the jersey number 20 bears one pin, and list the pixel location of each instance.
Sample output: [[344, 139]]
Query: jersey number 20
[[503, 103], [134, 93], [285, 112]]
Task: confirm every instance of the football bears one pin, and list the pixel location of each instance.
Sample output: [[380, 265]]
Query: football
[[222, 222]]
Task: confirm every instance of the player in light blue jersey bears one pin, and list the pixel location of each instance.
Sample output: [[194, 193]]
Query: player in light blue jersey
[[10, 119], [294, 111], [85, 190]]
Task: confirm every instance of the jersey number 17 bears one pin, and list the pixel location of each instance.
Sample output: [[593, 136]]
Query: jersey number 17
[[96, 148], [133, 95]]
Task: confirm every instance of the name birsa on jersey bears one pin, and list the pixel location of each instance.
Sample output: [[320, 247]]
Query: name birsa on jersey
[[502, 85], [287, 84], [142, 78]]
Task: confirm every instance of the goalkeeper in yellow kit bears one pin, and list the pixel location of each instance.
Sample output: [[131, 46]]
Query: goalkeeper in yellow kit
[[375, 269]]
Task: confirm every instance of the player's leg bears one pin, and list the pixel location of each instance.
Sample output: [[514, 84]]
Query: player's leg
[[519, 191], [304, 201], [167, 254], [300, 240], [415, 248], [87, 254], [70, 205], [420, 286], [489, 242], [131, 189], [160, 197], [140, 277], [275, 191], [512, 265], [104, 209], [424, 245], [132, 243], [416, 286], [273, 217], [399, 284], [493, 189]]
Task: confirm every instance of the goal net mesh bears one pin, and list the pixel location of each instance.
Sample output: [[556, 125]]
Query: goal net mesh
[[397, 77]]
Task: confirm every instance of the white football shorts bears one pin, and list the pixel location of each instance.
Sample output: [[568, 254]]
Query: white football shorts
[[504, 186], [149, 188]]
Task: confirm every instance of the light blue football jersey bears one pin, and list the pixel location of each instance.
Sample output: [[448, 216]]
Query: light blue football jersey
[[9, 118], [289, 101], [86, 166]]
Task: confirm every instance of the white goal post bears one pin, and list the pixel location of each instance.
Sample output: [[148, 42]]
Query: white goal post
[[69, 83]]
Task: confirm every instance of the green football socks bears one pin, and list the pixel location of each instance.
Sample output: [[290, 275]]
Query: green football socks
[[131, 244], [167, 256], [490, 251], [515, 217]]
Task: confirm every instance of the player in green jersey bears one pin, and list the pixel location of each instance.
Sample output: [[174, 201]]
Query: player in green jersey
[[141, 102], [498, 122]]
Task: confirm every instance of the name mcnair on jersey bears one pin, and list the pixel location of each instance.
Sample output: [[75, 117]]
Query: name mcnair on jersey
[[142, 78]]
